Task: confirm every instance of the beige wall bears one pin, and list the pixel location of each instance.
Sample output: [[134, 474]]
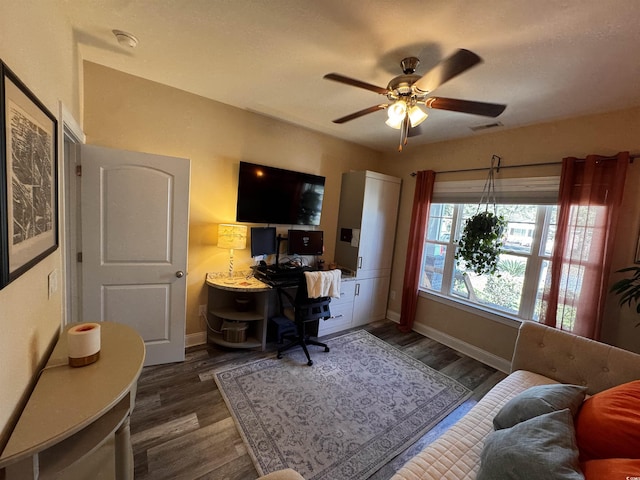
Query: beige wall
[[130, 113], [604, 134], [36, 42]]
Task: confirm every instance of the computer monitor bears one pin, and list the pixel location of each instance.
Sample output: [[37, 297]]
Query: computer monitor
[[305, 242], [263, 241]]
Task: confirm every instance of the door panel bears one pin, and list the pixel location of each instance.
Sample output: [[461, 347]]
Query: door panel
[[133, 304], [135, 210], [129, 218]]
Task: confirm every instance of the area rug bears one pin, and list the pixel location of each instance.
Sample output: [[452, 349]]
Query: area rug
[[356, 408]]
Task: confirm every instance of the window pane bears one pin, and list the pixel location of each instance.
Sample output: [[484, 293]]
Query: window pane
[[433, 266], [544, 281], [551, 232], [583, 222], [521, 226], [440, 222], [570, 284], [503, 292]]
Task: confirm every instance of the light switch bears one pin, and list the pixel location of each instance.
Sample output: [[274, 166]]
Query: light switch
[[53, 282]]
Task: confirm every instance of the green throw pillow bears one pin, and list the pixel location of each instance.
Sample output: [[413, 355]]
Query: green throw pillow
[[541, 448], [538, 400]]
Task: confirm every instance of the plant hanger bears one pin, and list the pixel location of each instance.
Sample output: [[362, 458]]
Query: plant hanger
[[489, 189]]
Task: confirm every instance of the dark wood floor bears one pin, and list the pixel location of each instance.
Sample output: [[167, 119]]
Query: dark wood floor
[[182, 429]]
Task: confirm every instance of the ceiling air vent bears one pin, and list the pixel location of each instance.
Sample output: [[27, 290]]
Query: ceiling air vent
[[487, 126]]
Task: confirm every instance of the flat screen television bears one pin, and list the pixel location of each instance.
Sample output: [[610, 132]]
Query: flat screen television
[[263, 241], [278, 196], [305, 242]]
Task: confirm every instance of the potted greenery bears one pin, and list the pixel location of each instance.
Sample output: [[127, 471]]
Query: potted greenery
[[481, 242], [629, 288]]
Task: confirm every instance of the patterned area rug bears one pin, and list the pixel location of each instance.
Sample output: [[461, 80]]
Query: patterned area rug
[[355, 409]]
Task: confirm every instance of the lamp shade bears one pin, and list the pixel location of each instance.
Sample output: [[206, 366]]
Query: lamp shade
[[395, 123], [416, 116], [232, 236], [397, 111]]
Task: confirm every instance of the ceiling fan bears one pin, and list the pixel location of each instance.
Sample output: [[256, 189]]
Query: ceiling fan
[[408, 91]]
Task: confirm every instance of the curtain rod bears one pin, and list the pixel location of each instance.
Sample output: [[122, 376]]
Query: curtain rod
[[498, 167]]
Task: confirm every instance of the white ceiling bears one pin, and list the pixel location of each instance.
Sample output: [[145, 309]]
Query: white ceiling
[[545, 59]]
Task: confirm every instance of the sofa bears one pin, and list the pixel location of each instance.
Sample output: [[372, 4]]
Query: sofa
[[542, 356]]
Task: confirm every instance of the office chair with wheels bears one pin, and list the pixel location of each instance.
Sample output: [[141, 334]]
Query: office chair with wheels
[[303, 311]]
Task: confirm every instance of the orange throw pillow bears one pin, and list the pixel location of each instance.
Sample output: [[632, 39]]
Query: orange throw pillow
[[612, 469], [608, 424]]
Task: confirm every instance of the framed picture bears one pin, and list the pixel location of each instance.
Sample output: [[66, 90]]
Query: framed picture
[[28, 179], [638, 250]]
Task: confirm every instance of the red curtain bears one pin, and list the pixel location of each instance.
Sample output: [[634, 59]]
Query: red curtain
[[590, 197], [421, 204]]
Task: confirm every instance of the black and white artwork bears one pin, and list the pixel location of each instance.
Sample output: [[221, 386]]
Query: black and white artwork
[[29, 171]]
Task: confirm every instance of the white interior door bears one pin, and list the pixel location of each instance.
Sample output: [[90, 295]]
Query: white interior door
[[135, 210]]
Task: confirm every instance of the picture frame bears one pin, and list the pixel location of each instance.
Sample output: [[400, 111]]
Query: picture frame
[[28, 178], [637, 259]]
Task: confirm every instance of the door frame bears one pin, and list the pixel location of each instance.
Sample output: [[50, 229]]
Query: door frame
[[71, 134]]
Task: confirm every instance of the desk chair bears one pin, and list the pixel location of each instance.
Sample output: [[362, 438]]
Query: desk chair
[[305, 311]]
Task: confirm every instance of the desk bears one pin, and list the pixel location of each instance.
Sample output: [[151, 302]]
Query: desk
[[74, 412], [263, 305]]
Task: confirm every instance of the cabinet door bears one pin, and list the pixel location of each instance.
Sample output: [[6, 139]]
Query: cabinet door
[[370, 302], [379, 213]]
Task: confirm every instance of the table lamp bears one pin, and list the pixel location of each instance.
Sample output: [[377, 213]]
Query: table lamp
[[233, 237]]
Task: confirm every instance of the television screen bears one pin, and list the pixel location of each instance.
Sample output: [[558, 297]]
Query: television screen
[[278, 196], [263, 241], [305, 242]]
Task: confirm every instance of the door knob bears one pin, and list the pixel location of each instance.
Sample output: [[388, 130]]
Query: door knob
[[179, 274]]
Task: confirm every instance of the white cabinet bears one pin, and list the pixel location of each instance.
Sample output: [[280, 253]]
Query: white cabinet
[[365, 237]]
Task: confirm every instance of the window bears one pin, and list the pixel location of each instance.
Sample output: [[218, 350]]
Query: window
[[523, 266]]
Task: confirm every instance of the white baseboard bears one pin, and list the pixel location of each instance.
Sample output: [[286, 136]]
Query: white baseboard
[[193, 339], [393, 316], [465, 348]]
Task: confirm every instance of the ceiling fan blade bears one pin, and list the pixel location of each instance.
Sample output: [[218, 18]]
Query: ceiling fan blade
[[361, 113], [447, 69], [465, 106], [336, 77]]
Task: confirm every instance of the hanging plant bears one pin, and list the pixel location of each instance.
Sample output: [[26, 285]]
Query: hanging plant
[[482, 237], [481, 242]]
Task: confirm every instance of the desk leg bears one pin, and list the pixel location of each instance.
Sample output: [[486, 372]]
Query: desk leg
[[124, 452]]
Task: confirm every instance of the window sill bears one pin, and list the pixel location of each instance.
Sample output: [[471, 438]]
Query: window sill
[[504, 319]]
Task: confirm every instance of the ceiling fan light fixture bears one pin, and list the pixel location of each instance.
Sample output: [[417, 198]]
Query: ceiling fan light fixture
[[395, 122], [416, 116], [397, 112]]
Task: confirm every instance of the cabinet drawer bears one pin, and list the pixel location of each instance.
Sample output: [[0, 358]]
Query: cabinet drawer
[[347, 292], [341, 318]]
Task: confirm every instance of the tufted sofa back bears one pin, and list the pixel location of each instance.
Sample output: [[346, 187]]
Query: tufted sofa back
[[568, 358]]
